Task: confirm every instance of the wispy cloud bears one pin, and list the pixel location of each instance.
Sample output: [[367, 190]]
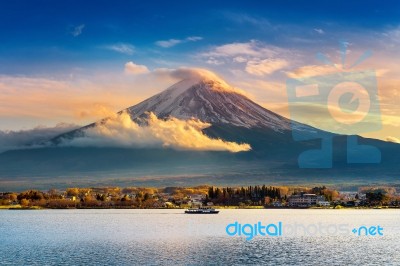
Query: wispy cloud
[[393, 34], [319, 31], [186, 73], [76, 31], [239, 59], [255, 57], [252, 48], [243, 18], [168, 43], [312, 70], [241, 52], [31, 138], [123, 48], [265, 67], [391, 120], [194, 38], [214, 61], [134, 69], [172, 42]]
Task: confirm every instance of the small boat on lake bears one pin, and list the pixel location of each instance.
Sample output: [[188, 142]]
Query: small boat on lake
[[201, 210]]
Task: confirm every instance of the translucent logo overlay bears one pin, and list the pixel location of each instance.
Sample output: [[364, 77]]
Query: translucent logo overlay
[[346, 102]]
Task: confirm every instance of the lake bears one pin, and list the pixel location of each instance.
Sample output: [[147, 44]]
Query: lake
[[170, 237]]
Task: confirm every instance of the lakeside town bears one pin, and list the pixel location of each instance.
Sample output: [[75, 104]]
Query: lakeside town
[[191, 197]]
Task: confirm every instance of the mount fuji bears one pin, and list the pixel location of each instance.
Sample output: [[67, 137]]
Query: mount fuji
[[207, 100], [229, 116]]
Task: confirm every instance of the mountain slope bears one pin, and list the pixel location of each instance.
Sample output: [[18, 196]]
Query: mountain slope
[[210, 101], [233, 117]]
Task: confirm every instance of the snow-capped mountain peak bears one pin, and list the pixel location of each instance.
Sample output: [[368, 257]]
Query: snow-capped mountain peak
[[209, 100]]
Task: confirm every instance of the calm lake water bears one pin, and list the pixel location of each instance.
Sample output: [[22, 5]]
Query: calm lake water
[[169, 237]]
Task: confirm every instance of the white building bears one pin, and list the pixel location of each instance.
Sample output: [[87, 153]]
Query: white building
[[307, 200], [302, 200], [324, 203]]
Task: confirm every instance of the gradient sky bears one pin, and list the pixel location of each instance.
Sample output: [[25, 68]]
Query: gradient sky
[[76, 61]]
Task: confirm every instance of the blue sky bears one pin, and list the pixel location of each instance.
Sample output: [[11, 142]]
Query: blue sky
[[74, 61], [44, 36]]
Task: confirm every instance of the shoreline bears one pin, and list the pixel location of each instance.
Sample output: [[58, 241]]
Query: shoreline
[[245, 197], [5, 207]]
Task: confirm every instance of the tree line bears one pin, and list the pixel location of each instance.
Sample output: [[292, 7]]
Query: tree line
[[251, 195]]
